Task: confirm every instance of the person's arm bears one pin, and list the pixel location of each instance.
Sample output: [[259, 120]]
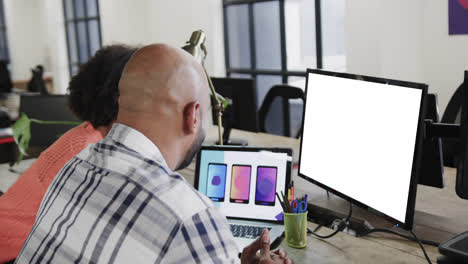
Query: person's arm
[[203, 238]]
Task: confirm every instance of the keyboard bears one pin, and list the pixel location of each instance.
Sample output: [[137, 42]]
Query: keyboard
[[246, 231]]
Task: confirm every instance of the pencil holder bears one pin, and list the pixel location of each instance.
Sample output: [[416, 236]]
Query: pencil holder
[[295, 229]]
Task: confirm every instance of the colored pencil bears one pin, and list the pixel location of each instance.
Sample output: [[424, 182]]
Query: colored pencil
[[292, 191], [286, 204], [281, 203]]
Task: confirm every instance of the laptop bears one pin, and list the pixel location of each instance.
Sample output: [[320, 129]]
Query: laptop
[[242, 182]]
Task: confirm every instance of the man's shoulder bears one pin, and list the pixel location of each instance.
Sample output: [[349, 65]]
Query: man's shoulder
[[167, 188], [184, 199]]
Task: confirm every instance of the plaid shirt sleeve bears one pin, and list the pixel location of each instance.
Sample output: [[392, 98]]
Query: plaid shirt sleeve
[[203, 238]]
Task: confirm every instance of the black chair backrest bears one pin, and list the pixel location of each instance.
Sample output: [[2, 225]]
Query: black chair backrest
[[5, 79], [270, 106], [452, 115], [48, 108]]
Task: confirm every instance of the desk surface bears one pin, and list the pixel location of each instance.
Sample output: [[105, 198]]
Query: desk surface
[[439, 215]]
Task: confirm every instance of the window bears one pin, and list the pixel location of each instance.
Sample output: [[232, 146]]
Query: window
[[4, 52], [83, 30], [274, 41]]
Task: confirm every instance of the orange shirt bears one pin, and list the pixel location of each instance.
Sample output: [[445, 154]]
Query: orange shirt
[[19, 205]]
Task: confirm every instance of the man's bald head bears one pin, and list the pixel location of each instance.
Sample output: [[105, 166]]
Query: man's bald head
[[162, 73], [164, 94]]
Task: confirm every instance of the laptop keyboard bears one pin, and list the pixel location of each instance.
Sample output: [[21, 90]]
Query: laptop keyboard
[[245, 231]]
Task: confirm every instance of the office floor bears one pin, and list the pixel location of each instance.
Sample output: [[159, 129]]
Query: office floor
[[8, 177]]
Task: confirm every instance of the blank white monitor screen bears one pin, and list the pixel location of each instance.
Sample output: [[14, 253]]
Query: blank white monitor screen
[[359, 139]]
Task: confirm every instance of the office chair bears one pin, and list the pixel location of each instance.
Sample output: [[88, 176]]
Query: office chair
[[276, 104], [452, 115], [49, 108], [5, 79]]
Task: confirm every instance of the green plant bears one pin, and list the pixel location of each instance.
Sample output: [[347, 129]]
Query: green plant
[[224, 102], [22, 132]]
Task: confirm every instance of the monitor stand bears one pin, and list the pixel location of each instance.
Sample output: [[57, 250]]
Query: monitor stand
[[231, 142], [326, 217]]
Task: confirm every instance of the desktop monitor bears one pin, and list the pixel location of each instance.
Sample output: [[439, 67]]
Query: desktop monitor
[[48, 108], [242, 110], [362, 140]]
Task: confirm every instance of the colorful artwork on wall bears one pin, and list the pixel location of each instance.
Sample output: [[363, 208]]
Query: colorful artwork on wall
[[458, 17]]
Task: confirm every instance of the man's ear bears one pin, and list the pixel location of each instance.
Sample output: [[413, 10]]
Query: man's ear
[[192, 117]]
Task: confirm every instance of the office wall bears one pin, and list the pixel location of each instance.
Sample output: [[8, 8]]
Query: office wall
[[55, 50], [145, 21], [36, 33], [406, 40], [36, 36], [124, 21], [397, 39], [26, 44], [445, 57]]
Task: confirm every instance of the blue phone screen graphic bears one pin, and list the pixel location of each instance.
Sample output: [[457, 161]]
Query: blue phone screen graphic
[[216, 182], [266, 185]]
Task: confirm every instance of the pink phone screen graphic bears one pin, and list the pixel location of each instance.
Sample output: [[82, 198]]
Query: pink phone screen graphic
[[240, 183]]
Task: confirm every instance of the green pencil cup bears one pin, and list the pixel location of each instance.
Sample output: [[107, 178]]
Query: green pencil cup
[[295, 229]]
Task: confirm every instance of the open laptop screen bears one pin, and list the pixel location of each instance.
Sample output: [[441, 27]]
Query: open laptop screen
[[242, 182]]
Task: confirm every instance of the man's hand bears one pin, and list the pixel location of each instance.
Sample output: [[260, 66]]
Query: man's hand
[[249, 254]]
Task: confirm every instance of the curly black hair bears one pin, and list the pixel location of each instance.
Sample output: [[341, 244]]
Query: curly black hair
[[94, 91]]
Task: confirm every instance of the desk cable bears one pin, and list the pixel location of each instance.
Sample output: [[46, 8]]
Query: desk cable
[[341, 226], [345, 223], [414, 238]]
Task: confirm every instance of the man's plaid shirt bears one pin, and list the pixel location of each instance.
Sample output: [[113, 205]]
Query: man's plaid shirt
[[118, 202]]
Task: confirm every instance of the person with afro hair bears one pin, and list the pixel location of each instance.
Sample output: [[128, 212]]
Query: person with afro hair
[[93, 98]]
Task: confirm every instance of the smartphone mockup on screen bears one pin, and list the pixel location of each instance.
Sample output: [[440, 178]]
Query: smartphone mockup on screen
[[240, 183], [266, 185], [216, 182]]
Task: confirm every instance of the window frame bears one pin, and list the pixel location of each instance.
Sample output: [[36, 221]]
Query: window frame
[[253, 70], [74, 21], [3, 32]]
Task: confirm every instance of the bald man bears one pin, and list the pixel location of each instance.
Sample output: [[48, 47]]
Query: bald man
[[120, 201]]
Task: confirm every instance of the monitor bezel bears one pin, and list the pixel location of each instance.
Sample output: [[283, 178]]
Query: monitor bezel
[[287, 151], [410, 208]]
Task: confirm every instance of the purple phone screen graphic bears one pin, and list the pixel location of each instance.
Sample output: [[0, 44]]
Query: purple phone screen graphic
[[216, 181], [266, 185]]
